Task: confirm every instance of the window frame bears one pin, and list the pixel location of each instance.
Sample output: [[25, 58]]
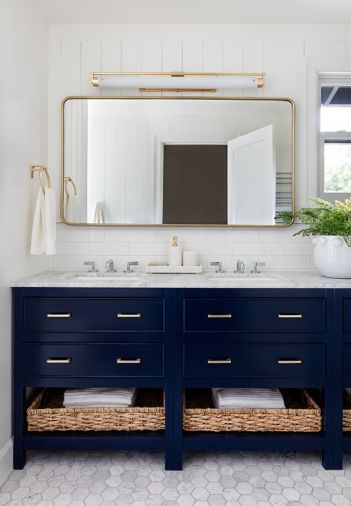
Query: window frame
[[332, 137]]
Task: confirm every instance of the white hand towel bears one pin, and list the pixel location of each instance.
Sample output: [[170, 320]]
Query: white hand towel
[[98, 213], [73, 213], [247, 398], [99, 397], [44, 224]]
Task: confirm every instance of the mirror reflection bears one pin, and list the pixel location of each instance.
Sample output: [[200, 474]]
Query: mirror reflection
[[177, 161]]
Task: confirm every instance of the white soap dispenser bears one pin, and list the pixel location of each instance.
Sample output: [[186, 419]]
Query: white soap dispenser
[[175, 253]]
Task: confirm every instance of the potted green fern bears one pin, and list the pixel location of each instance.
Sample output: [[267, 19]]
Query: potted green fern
[[329, 224]]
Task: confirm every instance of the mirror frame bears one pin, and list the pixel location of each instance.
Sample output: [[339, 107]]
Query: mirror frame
[[187, 97]]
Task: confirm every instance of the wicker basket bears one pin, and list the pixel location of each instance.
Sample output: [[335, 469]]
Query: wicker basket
[[347, 415], [46, 413], [302, 414]]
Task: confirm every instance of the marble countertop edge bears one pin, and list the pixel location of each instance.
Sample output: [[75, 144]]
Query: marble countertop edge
[[267, 279]]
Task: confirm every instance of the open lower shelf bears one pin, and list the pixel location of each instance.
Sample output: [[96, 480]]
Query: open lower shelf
[[223, 441], [113, 440]]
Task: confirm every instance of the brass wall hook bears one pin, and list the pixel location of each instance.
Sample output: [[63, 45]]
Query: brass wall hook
[[42, 169], [67, 180]]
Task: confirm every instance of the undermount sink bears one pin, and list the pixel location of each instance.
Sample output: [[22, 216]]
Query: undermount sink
[[225, 278], [107, 277]]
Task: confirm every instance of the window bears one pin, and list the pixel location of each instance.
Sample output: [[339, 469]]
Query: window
[[335, 138]]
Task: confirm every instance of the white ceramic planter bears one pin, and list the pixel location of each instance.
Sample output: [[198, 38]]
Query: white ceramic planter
[[332, 256]]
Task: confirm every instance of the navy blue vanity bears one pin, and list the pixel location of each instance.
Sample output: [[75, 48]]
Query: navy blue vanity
[[184, 338]]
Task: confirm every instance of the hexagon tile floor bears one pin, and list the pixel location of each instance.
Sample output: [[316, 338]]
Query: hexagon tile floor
[[138, 479]]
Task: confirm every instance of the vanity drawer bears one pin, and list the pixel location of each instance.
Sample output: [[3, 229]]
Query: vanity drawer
[[93, 360], [89, 314], [254, 360], [347, 361], [254, 315], [347, 316]]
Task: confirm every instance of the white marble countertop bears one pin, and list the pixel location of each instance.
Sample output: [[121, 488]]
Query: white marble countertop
[[76, 279]]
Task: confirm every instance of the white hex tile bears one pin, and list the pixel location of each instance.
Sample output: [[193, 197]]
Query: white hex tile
[[139, 479]]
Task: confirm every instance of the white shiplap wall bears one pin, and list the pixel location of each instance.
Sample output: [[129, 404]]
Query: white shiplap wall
[[285, 52]]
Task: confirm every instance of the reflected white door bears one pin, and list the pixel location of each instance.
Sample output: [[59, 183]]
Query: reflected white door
[[252, 178]]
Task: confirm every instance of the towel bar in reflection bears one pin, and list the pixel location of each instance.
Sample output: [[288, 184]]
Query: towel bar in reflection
[[42, 169], [67, 180]]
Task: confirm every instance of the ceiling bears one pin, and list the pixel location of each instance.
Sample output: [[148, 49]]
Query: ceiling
[[195, 11]]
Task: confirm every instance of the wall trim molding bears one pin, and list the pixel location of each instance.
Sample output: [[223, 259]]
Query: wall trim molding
[[6, 461]]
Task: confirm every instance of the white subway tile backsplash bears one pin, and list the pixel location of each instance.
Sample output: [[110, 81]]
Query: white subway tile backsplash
[[91, 248], [130, 235], [151, 248], [278, 248]]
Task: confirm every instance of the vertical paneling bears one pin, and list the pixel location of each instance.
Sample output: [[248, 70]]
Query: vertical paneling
[[151, 58], [172, 57], [273, 59], [90, 61], [295, 85], [131, 60], [232, 61], [111, 60], [192, 58], [253, 62]]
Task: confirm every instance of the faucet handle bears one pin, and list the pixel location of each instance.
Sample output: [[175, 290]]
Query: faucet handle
[[128, 269], [255, 269], [219, 265], [93, 266]]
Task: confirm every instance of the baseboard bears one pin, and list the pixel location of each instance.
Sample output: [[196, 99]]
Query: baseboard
[[5, 461]]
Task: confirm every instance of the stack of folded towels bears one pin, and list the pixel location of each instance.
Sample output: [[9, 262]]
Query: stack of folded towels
[[99, 397], [247, 398]]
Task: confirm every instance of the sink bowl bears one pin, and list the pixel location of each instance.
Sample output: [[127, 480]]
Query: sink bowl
[[223, 278], [115, 277]]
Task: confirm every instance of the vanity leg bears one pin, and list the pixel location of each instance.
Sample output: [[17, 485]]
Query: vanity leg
[[178, 429], [332, 457], [19, 453]]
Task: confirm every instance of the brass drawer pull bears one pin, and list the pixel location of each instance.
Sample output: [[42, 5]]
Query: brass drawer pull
[[67, 360], [224, 315], [59, 315], [224, 361], [290, 315], [289, 362], [128, 315], [128, 361]]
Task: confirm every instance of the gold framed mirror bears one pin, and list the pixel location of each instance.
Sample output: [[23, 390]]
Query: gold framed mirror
[[177, 161]]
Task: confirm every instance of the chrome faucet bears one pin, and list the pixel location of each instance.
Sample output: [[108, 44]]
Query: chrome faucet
[[110, 266], [219, 265], [128, 269], [93, 267], [240, 267], [256, 266]]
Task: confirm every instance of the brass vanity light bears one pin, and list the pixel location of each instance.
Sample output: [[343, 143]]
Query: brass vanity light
[[178, 81]]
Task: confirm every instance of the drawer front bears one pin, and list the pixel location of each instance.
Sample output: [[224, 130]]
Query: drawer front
[[254, 360], [347, 316], [92, 360], [254, 315], [80, 314], [347, 361]]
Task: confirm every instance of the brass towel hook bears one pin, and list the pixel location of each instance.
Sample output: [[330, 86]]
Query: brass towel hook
[[42, 169], [67, 180]]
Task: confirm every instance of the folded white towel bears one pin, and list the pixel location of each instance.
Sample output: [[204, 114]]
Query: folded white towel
[[247, 398], [73, 212], [99, 397], [44, 223]]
